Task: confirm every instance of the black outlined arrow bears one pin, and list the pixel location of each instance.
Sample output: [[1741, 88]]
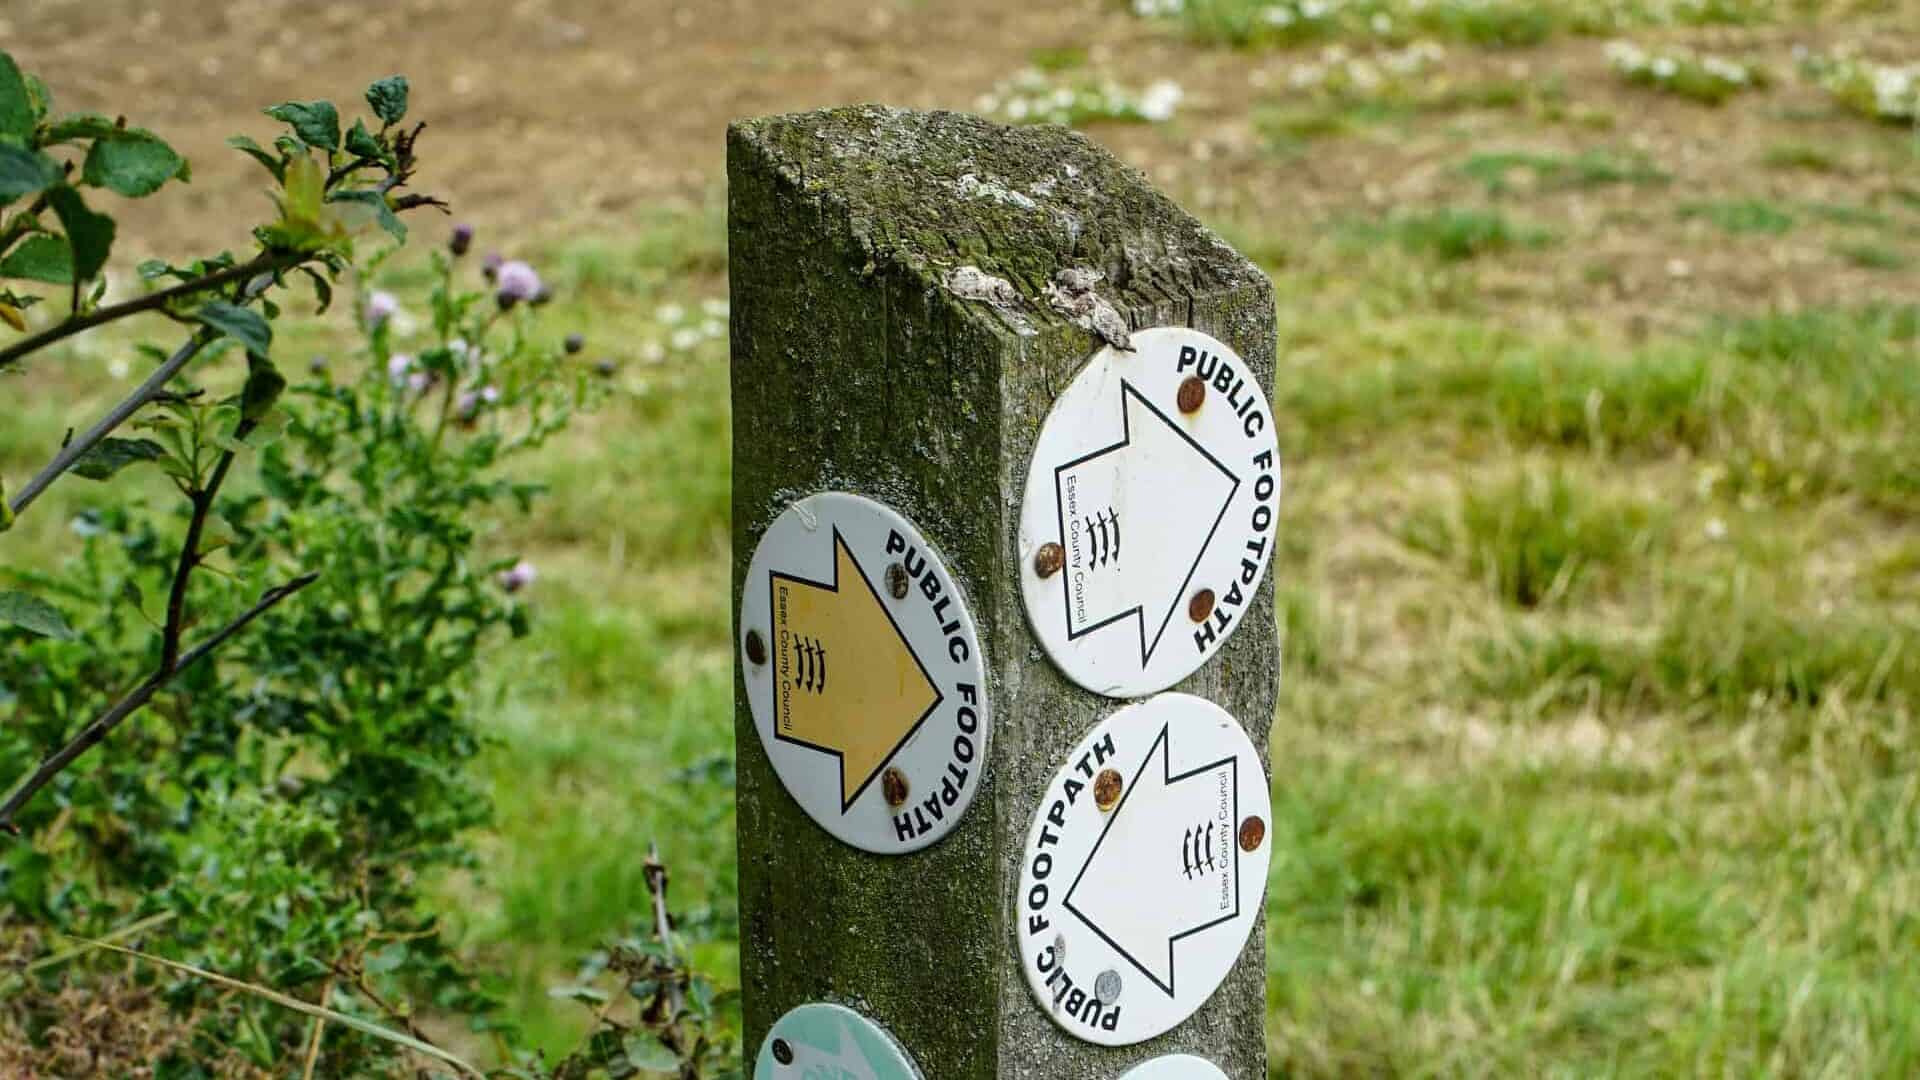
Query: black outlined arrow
[[1143, 907], [1153, 475], [873, 705]]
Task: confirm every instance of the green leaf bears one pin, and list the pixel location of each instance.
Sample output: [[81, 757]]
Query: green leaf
[[316, 122], [25, 172], [86, 125], [322, 288], [244, 326], [258, 153], [264, 384], [40, 257], [389, 98], [109, 456], [29, 612], [646, 1051], [6, 511], [586, 995], [16, 103], [134, 164], [361, 143], [39, 94], [90, 234], [377, 202]]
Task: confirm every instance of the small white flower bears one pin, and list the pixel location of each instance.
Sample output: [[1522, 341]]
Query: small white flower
[[1158, 103], [684, 338], [1716, 529], [653, 352], [714, 307], [489, 394], [397, 367], [669, 313]]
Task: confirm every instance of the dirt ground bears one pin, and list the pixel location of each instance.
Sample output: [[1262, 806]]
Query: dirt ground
[[564, 115], [540, 110]]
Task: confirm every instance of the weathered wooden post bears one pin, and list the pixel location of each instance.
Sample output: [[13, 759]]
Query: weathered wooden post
[[980, 506]]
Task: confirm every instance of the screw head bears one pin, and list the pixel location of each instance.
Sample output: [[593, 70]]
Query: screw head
[[1200, 606], [1193, 391], [1252, 831], [893, 785], [756, 647], [782, 1053], [1106, 986], [897, 581], [1049, 559], [1106, 789]]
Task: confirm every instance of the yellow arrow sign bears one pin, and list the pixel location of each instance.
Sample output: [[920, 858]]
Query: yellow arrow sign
[[846, 681]]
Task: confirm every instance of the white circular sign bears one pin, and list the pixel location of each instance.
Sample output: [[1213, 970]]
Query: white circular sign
[[824, 1041], [1148, 519], [1176, 1067], [1144, 869], [864, 673]]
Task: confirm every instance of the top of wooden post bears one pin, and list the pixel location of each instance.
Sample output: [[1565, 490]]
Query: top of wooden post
[[932, 194]]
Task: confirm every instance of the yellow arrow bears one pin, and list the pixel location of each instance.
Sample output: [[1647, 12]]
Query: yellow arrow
[[846, 681]]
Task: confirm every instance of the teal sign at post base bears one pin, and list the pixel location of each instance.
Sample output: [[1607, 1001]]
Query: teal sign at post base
[[823, 1041]]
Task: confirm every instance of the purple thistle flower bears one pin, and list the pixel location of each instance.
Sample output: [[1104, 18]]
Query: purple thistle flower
[[517, 280], [397, 367], [518, 576], [419, 381], [461, 241], [490, 265], [381, 306]]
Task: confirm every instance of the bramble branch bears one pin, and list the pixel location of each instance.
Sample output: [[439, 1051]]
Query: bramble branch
[[101, 726], [74, 449], [268, 262]]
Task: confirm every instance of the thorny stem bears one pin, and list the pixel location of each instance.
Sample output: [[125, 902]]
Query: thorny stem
[[72, 452], [655, 872], [356, 974], [104, 724], [267, 262], [190, 550]]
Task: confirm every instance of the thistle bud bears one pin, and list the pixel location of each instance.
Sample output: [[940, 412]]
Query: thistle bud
[[490, 265], [574, 343], [461, 241]]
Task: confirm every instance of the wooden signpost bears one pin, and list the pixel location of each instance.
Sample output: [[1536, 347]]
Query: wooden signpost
[[939, 625]]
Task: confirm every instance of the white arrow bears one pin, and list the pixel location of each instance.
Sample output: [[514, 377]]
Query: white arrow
[[1135, 518], [1166, 866]]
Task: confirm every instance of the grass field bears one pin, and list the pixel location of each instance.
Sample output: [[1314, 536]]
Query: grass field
[[1600, 403]]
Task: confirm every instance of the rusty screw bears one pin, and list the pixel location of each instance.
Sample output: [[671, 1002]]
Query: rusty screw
[[897, 581], [1252, 831], [756, 647], [1049, 559], [893, 785], [1106, 789], [1200, 606], [782, 1053], [1193, 391]]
